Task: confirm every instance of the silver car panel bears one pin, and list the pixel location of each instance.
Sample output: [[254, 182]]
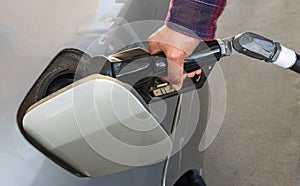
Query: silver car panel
[[33, 32]]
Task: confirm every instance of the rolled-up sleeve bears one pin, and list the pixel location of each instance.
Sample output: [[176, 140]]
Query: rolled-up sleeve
[[195, 17]]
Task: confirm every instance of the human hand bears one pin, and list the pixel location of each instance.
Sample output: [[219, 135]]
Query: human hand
[[177, 47]]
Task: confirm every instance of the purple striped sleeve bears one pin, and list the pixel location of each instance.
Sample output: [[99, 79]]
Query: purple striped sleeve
[[195, 17]]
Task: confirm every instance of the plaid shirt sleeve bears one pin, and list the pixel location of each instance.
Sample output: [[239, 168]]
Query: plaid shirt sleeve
[[195, 17]]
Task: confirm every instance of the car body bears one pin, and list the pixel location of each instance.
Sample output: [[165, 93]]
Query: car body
[[32, 33]]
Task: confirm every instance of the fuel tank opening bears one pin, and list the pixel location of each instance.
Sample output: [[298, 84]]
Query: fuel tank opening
[[58, 74]]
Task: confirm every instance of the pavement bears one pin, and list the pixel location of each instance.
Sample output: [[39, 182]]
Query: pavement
[[258, 144]]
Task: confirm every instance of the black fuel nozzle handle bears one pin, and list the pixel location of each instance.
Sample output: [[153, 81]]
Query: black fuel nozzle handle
[[205, 54], [144, 64], [204, 57], [262, 48]]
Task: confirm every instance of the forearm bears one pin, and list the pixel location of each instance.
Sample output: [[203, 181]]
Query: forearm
[[195, 17]]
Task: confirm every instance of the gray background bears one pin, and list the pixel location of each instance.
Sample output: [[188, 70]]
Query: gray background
[[259, 140]]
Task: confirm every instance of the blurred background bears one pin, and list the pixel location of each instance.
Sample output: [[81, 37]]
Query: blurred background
[[259, 140]]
